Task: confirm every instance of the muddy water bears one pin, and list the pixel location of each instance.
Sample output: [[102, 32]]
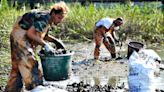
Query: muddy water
[[84, 53]]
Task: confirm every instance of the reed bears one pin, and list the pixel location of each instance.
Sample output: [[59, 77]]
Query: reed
[[141, 22]]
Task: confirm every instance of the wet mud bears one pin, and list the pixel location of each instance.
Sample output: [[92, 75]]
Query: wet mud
[[107, 75]]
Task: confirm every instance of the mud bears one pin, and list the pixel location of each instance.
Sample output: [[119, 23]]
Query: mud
[[90, 76]]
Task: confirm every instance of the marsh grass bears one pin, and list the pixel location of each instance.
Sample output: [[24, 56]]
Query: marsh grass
[[144, 21], [141, 23]]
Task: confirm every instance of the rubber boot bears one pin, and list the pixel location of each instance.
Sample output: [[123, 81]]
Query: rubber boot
[[113, 55]]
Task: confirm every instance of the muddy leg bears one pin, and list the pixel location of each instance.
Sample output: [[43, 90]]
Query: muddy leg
[[15, 80], [97, 47], [111, 47], [31, 75]]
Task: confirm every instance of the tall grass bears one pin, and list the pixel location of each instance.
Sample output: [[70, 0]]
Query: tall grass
[[146, 22], [143, 22], [8, 16]]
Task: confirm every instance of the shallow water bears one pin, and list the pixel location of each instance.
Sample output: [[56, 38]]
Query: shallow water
[[111, 72], [84, 52]]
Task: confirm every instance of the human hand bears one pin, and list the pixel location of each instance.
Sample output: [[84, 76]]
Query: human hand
[[48, 48], [106, 39], [117, 42]]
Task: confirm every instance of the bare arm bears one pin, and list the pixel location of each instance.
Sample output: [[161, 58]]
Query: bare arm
[[32, 34], [50, 38], [59, 44]]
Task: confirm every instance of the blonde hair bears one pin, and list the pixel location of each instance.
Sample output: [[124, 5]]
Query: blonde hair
[[60, 6]]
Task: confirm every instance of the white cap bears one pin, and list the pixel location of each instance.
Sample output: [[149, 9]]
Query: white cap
[[106, 22]]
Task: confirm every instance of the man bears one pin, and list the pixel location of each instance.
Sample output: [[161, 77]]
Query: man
[[29, 31], [105, 30]]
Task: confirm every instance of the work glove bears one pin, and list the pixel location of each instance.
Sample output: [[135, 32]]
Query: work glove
[[117, 41], [48, 48], [106, 39]]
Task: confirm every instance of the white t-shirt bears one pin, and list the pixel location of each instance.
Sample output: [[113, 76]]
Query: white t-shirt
[[106, 22]]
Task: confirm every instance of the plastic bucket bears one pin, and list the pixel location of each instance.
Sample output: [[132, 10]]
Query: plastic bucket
[[134, 46], [56, 67]]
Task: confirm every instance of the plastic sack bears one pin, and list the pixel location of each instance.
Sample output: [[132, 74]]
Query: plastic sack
[[142, 67]]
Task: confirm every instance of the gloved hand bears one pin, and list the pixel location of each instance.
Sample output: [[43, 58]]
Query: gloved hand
[[106, 39], [117, 42], [48, 48]]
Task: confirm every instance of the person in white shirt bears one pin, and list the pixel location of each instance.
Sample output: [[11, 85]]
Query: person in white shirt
[[105, 31]]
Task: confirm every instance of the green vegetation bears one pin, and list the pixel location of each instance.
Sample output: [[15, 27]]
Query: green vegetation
[[142, 23]]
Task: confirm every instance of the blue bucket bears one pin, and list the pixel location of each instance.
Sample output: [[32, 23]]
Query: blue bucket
[[56, 67]]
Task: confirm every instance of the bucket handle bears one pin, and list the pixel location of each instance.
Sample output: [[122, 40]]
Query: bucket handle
[[68, 54]]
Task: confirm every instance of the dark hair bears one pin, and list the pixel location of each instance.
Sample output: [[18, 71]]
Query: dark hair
[[118, 21], [60, 11]]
